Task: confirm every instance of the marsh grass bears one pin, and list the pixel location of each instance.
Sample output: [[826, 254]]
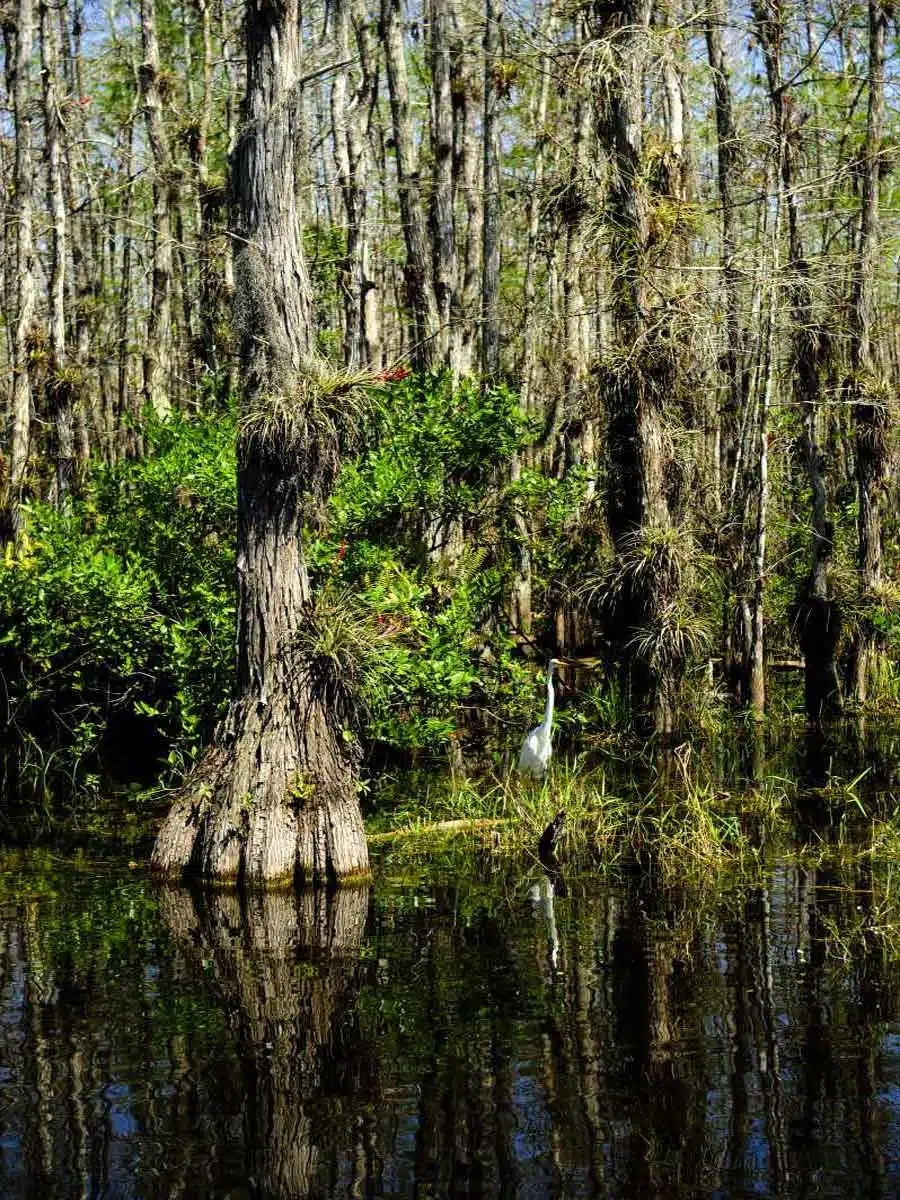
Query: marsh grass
[[680, 824]]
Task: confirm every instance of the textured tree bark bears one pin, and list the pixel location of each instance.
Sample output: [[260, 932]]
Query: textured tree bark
[[757, 681], [576, 324], [465, 87], [490, 278], [727, 146], [736, 400], [420, 297], [158, 346], [867, 393], [84, 280], [203, 208], [129, 431], [19, 40], [766, 392], [636, 430], [635, 385], [350, 115], [532, 326], [274, 799]]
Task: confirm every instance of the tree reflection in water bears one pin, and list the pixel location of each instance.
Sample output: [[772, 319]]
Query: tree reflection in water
[[287, 966]]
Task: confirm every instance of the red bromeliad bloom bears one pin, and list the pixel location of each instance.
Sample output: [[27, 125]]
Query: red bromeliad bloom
[[394, 374]]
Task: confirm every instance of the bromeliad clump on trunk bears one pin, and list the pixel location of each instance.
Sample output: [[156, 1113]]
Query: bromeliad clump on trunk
[[652, 597], [656, 602]]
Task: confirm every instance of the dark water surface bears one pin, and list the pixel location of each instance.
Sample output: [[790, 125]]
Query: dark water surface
[[484, 1033]]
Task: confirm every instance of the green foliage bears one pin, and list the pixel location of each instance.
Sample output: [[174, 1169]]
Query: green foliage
[[117, 614], [434, 448], [430, 466]]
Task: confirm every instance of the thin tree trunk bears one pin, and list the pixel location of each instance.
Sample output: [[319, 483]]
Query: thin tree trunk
[[59, 388], [420, 297], [817, 618], [467, 161], [766, 379], [83, 282], [129, 436], [868, 395], [19, 38], [7, 260], [442, 219], [366, 102], [490, 280], [349, 117], [532, 326], [757, 638], [576, 327], [727, 426], [184, 374], [204, 211], [158, 346]]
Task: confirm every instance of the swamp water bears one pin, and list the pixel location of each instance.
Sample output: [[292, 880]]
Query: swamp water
[[465, 1028]]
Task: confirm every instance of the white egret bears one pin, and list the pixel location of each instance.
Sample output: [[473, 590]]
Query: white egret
[[536, 749]]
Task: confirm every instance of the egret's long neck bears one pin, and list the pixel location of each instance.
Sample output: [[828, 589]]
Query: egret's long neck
[[548, 707]]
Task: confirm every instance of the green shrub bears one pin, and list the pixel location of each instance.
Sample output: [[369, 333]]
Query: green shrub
[[116, 616]]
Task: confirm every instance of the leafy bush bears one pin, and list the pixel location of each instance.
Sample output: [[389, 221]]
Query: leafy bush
[[116, 616], [430, 456]]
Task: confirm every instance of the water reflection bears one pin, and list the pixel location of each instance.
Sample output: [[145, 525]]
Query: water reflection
[[501, 1033], [287, 969]]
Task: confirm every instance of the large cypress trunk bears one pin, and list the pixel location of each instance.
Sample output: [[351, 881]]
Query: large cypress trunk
[[275, 798]]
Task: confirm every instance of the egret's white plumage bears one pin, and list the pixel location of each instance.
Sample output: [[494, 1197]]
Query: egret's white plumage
[[534, 756]]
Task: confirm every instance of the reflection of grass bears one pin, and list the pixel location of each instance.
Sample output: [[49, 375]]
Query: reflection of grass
[[874, 931], [864, 918]]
